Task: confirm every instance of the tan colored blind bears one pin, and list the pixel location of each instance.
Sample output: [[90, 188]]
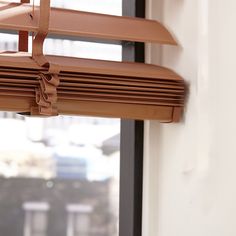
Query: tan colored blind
[[50, 85]]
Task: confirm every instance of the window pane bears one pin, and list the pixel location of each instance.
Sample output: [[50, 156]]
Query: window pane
[[59, 176], [75, 48], [111, 7], [82, 49]]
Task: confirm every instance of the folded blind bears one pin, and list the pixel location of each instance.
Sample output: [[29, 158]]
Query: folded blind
[[49, 85]]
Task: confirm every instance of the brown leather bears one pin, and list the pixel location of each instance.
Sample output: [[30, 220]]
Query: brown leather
[[45, 85], [113, 89], [23, 36], [46, 92], [65, 22], [44, 16]]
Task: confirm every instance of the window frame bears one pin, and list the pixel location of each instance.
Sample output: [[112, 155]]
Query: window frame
[[131, 139], [131, 143]]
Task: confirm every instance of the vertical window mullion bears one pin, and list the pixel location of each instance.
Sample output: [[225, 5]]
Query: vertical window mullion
[[131, 144]]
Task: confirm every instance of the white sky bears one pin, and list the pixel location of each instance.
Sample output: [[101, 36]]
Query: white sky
[[112, 7]]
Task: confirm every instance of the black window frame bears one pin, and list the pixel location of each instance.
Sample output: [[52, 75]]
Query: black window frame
[[131, 143]]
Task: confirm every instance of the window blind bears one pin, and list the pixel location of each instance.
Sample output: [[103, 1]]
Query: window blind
[[46, 85]]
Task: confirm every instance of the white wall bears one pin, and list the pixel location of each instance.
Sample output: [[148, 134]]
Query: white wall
[[190, 167]]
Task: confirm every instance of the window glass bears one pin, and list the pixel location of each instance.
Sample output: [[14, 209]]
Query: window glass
[[59, 176], [111, 7], [75, 47]]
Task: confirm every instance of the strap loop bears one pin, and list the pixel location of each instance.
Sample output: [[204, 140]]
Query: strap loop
[[37, 50], [46, 93]]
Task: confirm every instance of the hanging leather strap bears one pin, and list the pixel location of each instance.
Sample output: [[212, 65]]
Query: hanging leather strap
[[44, 16], [23, 37], [46, 93]]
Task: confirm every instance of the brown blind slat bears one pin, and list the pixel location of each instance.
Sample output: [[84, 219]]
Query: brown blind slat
[[65, 22], [48, 85]]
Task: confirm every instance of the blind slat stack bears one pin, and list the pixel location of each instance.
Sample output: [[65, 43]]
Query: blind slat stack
[[85, 86]]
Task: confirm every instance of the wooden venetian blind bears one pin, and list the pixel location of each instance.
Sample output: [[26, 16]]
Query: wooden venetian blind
[[40, 84]]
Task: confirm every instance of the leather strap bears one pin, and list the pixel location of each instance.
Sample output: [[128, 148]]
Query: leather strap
[[46, 93], [44, 16]]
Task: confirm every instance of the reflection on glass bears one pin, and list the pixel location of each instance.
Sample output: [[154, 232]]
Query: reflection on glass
[[59, 176]]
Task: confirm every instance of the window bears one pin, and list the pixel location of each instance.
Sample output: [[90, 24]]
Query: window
[[35, 222], [131, 161]]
